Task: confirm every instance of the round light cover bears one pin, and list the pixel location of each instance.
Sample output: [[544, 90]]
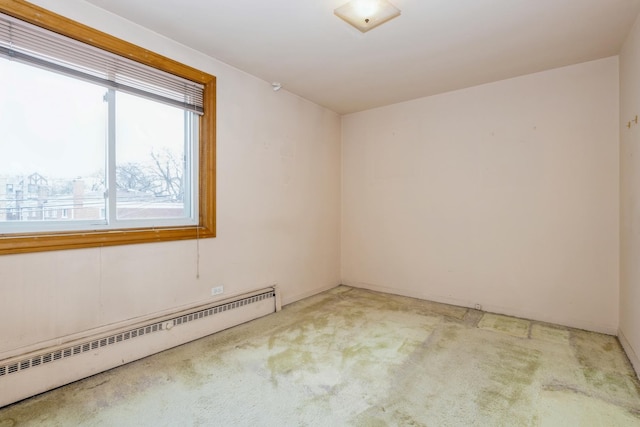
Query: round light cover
[[367, 14]]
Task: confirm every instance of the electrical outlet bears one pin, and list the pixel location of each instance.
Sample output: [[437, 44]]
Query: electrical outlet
[[478, 307], [217, 290]]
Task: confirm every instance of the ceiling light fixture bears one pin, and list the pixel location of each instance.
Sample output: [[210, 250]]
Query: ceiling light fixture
[[367, 14]]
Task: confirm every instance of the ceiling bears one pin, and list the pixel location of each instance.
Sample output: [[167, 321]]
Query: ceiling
[[435, 46]]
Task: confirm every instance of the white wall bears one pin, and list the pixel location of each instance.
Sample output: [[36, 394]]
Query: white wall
[[278, 219], [504, 195], [630, 196]]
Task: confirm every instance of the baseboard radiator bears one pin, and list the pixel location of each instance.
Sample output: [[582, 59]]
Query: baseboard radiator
[[28, 374]]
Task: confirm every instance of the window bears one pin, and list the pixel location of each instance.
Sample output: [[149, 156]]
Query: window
[[94, 152]]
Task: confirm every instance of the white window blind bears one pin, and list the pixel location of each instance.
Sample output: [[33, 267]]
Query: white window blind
[[36, 46]]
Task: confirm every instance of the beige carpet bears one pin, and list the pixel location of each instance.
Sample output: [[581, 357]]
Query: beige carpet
[[359, 358]]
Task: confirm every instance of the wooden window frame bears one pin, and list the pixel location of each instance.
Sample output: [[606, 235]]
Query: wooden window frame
[[38, 242]]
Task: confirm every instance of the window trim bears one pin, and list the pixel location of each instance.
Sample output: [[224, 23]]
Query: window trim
[[206, 228]]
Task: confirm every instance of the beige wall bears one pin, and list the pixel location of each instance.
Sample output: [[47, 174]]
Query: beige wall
[[504, 195], [278, 215], [630, 196]]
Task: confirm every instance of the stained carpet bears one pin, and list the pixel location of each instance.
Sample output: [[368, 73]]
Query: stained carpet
[[358, 358]]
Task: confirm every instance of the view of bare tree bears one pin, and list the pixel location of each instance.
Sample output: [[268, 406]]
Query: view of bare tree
[[161, 176], [133, 176], [167, 174]]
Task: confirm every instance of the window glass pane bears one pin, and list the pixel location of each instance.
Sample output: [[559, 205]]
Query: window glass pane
[[151, 175], [52, 146]]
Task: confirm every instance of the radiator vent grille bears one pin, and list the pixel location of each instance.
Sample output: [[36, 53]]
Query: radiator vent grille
[[45, 358]]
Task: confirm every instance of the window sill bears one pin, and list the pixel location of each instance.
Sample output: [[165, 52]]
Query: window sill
[[38, 242]]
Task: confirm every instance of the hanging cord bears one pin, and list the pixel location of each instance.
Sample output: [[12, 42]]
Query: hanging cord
[[198, 252]]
